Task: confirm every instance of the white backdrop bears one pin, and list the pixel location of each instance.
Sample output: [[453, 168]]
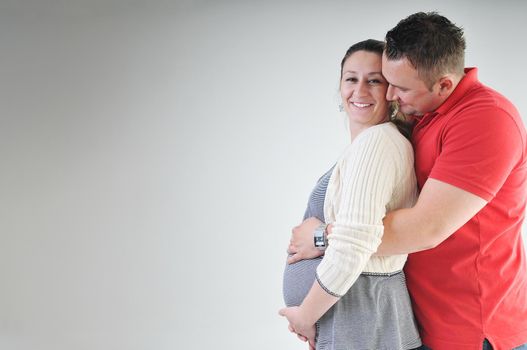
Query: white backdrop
[[155, 154]]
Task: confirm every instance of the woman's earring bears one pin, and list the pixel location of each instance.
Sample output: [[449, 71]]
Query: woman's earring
[[341, 107]]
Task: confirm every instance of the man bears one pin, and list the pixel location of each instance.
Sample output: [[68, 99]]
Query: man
[[468, 274], [470, 159]]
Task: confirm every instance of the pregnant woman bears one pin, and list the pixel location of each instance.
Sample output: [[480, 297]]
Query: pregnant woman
[[348, 298]]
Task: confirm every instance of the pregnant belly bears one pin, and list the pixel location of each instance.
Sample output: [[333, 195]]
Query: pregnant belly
[[298, 280]]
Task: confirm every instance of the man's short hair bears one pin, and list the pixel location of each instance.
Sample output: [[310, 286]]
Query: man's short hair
[[433, 45]]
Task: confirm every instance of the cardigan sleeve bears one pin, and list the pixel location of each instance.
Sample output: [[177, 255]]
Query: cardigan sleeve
[[366, 180]]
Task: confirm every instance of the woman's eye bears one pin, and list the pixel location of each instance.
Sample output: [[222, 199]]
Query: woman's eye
[[374, 81], [352, 80]]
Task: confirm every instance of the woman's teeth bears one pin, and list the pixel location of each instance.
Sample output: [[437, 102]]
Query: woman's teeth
[[361, 105]]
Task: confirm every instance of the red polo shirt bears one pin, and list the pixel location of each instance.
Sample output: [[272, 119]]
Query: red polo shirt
[[474, 284]]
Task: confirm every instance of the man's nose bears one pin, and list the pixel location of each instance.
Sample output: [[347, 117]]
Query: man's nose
[[390, 93]]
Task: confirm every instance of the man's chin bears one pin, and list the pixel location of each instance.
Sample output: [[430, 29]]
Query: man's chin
[[407, 111], [411, 111]]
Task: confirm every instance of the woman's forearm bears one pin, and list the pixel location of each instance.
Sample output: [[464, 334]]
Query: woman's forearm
[[316, 303], [303, 318]]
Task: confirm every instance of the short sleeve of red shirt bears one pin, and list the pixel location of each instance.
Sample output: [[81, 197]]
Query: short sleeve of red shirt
[[480, 147]]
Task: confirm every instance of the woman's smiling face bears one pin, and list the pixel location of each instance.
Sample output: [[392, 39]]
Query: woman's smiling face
[[363, 90]]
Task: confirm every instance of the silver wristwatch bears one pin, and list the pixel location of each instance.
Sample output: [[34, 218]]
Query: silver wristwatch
[[319, 237]]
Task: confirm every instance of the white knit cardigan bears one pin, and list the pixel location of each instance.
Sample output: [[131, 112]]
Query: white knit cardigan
[[373, 176]]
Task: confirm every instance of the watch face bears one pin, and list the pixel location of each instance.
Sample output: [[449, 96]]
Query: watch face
[[319, 241]]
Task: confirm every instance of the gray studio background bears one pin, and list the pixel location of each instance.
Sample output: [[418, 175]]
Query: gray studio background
[[155, 155]]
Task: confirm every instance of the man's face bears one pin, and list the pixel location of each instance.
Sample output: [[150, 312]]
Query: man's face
[[408, 89]]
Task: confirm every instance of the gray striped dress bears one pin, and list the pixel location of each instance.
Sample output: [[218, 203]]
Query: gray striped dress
[[375, 314]]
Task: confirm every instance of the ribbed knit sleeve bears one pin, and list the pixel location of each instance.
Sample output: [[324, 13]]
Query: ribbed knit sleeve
[[359, 191]]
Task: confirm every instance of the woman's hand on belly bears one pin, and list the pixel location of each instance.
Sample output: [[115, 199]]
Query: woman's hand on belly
[[302, 246], [304, 332]]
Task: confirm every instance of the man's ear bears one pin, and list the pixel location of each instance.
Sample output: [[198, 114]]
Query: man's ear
[[446, 85]]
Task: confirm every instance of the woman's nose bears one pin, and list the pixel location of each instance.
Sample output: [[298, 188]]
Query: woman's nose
[[361, 89]]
